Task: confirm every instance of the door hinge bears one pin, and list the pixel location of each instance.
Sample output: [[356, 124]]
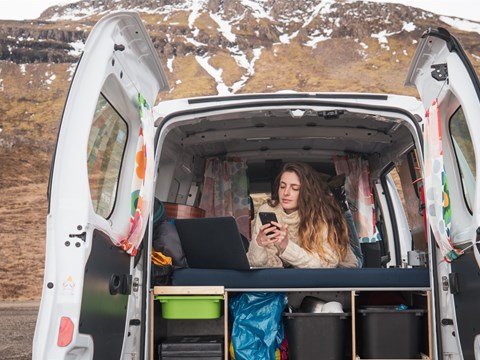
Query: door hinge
[[136, 284], [440, 72], [135, 322], [444, 283], [446, 322]]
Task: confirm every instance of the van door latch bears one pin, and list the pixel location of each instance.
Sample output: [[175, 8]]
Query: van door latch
[[440, 72]]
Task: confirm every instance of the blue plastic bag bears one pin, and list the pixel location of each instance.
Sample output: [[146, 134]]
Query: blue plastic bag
[[257, 330]]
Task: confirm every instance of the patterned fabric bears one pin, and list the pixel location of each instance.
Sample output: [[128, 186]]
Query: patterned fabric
[[225, 191], [436, 186], [359, 195], [142, 183]]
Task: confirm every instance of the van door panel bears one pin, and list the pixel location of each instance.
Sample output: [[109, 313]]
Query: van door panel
[[89, 205], [103, 308], [441, 70]]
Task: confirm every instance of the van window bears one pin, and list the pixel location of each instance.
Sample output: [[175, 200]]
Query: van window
[[106, 146], [465, 156]]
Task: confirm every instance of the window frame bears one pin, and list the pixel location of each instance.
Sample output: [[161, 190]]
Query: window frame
[[468, 202], [122, 158]]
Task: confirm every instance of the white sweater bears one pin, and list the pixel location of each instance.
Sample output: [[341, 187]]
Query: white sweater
[[293, 254]]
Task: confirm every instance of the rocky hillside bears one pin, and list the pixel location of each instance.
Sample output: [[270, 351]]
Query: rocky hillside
[[207, 47]]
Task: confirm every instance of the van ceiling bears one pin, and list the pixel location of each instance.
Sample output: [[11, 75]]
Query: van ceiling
[[291, 134]]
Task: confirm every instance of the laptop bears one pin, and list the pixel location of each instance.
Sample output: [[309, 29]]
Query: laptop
[[212, 243]]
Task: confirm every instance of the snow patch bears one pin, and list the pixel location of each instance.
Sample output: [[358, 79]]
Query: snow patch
[[224, 27], [382, 37], [408, 27], [285, 38], [71, 71], [257, 10], [222, 89], [460, 24], [250, 66], [197, 6], [78, 47], [317, 37], [170, 64]]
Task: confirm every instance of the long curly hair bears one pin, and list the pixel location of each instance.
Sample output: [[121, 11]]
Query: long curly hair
[[321, 219]]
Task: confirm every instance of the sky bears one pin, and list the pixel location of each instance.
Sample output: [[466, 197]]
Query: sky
[[467, 9]]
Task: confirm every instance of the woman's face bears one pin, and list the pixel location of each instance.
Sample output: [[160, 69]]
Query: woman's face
[[289, 191]]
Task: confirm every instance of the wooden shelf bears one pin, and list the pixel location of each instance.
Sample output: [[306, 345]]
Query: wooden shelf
[[188, 290]]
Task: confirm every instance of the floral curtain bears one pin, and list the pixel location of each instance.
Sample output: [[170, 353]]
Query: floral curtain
[[359, 195], [225, 191], [142, 183], [437, 196]]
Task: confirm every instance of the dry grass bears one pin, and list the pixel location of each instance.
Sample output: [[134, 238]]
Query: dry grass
[[23, 190]]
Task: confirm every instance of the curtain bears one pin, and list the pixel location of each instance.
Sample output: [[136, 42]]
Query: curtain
[[359, 195], [142, 182], [225, 191], [437, 196]]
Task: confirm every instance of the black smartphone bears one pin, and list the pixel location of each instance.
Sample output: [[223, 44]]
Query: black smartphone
[[267, 218]]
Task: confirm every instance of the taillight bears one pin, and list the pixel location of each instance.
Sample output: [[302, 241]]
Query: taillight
[[65, 331]]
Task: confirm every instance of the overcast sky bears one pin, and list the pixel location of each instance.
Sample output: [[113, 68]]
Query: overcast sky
[[467, 9]]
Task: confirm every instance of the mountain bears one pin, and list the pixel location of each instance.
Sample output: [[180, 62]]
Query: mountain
[[207, 47]]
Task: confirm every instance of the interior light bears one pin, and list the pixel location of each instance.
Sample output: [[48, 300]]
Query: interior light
[[297, 113]]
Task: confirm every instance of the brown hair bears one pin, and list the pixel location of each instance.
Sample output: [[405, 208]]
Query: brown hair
[[321, 219]]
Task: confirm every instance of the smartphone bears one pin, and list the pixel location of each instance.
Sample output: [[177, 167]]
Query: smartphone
[[267, 218]]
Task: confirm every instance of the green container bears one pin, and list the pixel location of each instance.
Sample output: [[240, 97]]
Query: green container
[[191, 307]]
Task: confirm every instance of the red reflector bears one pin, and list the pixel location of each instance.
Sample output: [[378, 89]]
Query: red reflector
[[65, 332]]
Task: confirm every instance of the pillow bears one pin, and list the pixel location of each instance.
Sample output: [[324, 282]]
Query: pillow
[[166, 240], [165, 236]]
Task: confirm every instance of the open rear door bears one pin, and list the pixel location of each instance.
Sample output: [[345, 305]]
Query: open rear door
[[99, 199], [450, 90]]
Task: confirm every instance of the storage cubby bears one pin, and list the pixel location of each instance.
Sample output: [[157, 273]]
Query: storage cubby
[[374, 324], [392, 325], [189, 322]]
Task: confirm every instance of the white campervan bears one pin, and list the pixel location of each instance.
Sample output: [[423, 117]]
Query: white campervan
[[411, 182]]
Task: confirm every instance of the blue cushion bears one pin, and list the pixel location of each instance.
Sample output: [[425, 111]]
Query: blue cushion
[[303, 278]]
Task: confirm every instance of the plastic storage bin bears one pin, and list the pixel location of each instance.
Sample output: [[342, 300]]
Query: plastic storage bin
[[192, 348], [317, 335], [191, 307], [387, 332]]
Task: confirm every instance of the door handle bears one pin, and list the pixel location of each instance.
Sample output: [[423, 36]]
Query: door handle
[[120, 284]]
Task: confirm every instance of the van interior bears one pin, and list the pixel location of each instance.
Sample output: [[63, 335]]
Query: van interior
[[245, 146]]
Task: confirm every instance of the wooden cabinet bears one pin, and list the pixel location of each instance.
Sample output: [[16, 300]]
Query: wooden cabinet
[[361, 305]]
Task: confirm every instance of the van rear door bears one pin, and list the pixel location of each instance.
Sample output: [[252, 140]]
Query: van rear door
[[449, 88], [92, 304]]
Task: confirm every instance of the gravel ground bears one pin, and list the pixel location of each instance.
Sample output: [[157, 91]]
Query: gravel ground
[[17, 325]]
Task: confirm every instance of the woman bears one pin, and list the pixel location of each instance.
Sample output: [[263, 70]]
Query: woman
[[311, 231]]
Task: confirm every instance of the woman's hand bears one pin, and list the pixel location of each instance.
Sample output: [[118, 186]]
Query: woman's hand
[[266, 234], [274, 233], [280, 236]]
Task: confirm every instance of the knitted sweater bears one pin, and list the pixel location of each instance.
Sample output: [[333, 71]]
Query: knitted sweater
[[293, 254]]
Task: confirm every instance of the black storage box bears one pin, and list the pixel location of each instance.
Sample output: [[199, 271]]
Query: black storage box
[[387, 332], [317, 335], [192, 348]]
